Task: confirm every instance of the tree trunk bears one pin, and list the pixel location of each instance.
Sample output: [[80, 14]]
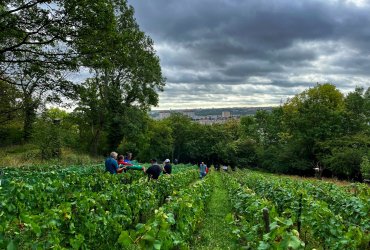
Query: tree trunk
[[95, 142], [29, 109]]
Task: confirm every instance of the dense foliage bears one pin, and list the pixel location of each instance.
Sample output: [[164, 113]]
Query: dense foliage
[[84, 208], [318, 128], [44, 45], [301, 213]]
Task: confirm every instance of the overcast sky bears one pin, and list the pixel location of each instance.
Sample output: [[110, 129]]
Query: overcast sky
[[228, 53]]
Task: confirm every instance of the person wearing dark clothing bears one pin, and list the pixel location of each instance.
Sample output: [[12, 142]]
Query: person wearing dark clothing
[[128, 158], [167, 167], [154, 170], [111, 164], [217, 166], [202, 170]]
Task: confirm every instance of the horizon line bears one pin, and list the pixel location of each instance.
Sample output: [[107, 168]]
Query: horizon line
[[174, 109]]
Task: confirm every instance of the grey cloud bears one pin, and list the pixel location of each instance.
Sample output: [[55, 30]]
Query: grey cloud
[[291, 43], [254, 67]]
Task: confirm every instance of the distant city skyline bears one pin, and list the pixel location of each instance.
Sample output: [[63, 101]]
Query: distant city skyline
[[210, 105], [214, 111], [240, 53], [158, 109]]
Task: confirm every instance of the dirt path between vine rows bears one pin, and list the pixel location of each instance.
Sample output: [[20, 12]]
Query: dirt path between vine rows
[[215, 232]]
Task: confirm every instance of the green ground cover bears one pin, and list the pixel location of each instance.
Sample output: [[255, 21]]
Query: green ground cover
[[215, 232]]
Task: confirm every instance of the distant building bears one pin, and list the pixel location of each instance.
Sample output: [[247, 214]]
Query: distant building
[[226, 114], [189, 113], [209, 122], [164, 114], [210, 116]]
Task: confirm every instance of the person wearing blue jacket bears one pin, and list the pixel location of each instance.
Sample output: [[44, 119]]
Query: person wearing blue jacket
[[111, 164]]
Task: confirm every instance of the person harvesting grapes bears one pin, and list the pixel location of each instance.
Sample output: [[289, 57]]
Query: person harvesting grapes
[[167, 169], [202, 170], [153, 171], [111, 164]]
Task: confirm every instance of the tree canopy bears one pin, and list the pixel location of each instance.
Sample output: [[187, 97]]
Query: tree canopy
[[42, 42]]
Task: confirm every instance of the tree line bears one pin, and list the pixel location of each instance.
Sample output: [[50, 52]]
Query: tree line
[[318, 128]]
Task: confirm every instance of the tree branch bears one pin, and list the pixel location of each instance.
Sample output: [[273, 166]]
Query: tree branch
[[24, 40], [26, 6]]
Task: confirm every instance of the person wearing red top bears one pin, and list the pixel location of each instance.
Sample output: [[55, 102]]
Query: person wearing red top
[[122, 162]]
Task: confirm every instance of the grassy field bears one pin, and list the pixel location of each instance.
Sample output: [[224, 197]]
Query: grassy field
[[29, 154], [215, 232]]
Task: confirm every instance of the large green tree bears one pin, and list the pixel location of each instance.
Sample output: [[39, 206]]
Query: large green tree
[[125, 69], [181, 132], [310, 117], [357, 107], [37, 86], [48, 32], [157, 143], [41, 40]]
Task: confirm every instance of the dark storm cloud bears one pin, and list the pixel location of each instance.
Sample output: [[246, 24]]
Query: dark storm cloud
[[261, 43]]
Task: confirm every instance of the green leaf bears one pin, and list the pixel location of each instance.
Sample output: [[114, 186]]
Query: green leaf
[[264, 246], [148, 237], [157, 245], [124, 239], [229, 218], [11, 246], [295, 243], [274, 225], [289, 222], [36, 228], [139, 226], [171, 218], [77, 241], [25, 218]]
